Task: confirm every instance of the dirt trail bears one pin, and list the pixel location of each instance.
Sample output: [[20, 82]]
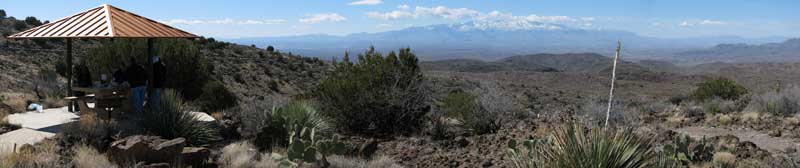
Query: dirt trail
[[772, 144]]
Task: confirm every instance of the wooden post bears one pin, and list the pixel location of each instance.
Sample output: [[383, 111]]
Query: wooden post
[[69, 74], [151, 51]]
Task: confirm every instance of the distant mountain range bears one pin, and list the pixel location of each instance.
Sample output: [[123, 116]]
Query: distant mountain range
[[786, 51], [492, 41], [569, 62]]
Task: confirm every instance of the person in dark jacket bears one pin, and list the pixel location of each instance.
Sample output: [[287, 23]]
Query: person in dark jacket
[[137, 78], [159, 79], [119, 76]]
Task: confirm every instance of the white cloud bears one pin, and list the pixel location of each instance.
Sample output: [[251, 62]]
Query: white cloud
[[421, 11], [366, 2], [712, 22], [702, 22], [224, 21], [323, 17], [399, 14], [482, 20], [686, 24], [445, 12], [403, 7]]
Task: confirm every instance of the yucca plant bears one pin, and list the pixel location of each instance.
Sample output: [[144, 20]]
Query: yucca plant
[[287, 119], [169, 119], [573, 147]]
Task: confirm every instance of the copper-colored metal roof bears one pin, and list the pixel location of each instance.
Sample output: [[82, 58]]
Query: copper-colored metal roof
[[103, 22]]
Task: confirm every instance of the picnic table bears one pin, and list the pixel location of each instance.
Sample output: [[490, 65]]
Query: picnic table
[[108, 102]]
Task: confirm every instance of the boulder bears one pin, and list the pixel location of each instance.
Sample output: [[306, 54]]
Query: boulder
[[774, 133], [368, 148], [147, 149], [461, 142], [195, 156]]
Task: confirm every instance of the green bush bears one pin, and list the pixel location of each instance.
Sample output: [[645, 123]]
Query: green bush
[[216, 97], [187, 70], [721, 87], [571, 146], [465, 107], [782, 102], [376, 94], [171, 119]]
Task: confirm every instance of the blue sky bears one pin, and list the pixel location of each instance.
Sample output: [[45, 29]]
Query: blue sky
[[257, 18]]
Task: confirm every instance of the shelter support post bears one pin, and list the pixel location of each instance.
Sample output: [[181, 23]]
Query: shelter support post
[[151, 51], [69, 74]]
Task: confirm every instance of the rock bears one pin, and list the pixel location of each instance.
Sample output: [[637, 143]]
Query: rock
[[194, 156], [790, 150], [694, 111], [488, 163], [368, 148], [774, 133], [461, 142], [153, 165], [148, 149]]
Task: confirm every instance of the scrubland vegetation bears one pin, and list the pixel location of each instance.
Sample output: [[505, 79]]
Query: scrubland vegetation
[[276, 109]]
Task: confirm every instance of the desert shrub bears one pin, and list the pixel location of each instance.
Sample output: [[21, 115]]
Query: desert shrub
[[345, 162], [90, 130], [724, 160], [721, 87], [720, 106], [170, 119], [244, 154], [88, 157], [216, 97], [592, 112], [47, 86], [30, 20], [2, 14], [785, 102], [678, 99], [255, 114], [376, 94], [187, 70], [572, 146], [466, 108]]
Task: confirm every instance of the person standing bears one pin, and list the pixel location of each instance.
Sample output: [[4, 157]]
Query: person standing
[[136, 77], [159, 79]]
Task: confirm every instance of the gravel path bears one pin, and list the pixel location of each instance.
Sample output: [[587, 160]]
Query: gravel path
[[772, 144]]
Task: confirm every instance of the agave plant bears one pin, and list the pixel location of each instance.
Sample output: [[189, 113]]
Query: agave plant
[[573, 147], [169, 119]]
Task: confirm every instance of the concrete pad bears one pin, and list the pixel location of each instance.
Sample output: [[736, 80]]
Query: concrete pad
[[35, 127], [22, 136], [48, 118]]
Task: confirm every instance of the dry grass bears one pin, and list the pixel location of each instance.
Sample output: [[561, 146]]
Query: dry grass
[[791, 121], [346, 162], [244, 154], [724, 119], [41, 155], [676, 120], [751, 117], [17, 101], [724, 159], [88, 157]]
